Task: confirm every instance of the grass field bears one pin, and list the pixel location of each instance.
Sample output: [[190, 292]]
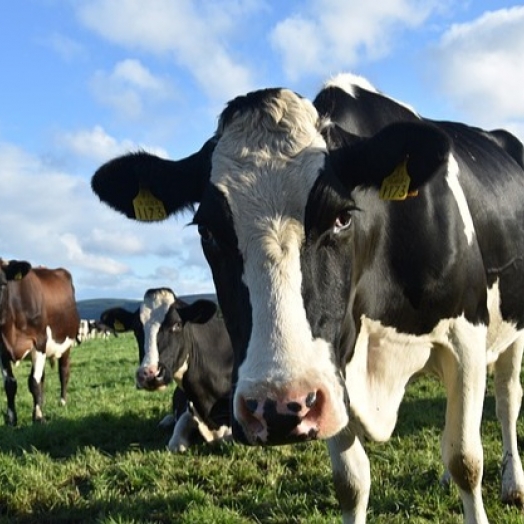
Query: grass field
[[102, 459]]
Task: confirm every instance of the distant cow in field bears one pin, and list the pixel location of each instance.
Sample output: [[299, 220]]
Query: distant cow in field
[[187, 343], [354, 245], [38, 315]]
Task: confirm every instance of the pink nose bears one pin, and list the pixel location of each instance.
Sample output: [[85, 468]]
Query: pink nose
[[291, 418]]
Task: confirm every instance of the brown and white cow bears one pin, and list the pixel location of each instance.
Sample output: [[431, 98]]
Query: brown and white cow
[[348, 256], [38, 316]]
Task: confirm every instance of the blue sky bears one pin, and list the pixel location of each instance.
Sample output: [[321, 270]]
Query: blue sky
[[83, 81]]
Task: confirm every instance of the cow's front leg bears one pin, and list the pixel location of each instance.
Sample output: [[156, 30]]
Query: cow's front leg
[[463, 371], [508, 393], [10, 386], [64, 371], [35, 383], [182, 437], [351, 475]]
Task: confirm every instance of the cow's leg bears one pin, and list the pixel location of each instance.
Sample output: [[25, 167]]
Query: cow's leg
[[508, 393], [10, 386], [351, 475], [463, 371], [64, 370], [181, 439], [36, 383]]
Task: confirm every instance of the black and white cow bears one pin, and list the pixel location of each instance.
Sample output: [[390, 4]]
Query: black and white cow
[[349, 257], [187, 343]]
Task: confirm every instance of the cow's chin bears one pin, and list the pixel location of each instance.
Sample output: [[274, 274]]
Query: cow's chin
[[152, 386], [275, 436]]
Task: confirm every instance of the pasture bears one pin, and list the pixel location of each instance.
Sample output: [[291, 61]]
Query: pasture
[[101, 459]]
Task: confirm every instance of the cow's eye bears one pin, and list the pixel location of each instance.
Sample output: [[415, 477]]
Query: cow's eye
[[342, 221], [206, 235], [176, 327]]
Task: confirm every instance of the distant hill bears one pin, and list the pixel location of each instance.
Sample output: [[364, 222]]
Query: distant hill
[[94, 307]]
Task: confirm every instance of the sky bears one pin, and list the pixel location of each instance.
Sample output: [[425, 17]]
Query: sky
[[83, 81]]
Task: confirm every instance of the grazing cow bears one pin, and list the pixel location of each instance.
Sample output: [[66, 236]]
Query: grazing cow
[[187, 343], [38, 315], [348, 256], [83, 330]]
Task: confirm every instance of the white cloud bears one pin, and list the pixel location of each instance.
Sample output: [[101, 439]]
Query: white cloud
[[130, 88], [98, 145], [52, 218], [193, 33], [328, 36], [66, 47], [480, 66]]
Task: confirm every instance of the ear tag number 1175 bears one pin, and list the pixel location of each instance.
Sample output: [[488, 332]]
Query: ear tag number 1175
[[396, 185]]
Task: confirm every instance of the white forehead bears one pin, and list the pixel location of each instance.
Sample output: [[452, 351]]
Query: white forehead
[[266, 162]]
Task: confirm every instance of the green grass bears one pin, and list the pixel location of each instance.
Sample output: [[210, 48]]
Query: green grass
[[102, 459]]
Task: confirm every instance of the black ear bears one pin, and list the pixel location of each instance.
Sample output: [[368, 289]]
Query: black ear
[[16, 269], [418, 149], [199, 312], [148, 188]]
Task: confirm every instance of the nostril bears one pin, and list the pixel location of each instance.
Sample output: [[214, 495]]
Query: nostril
[[295, 407], [251, 405], [311, 399]]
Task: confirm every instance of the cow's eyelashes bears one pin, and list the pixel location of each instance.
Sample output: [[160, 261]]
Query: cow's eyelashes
[[342, 221]]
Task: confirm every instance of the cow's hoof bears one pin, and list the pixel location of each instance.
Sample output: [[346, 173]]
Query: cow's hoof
[[10, 420], [177, 446], [514, 497]]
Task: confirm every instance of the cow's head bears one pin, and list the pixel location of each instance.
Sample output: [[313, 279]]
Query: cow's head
[[166, 342], [279, 226], [10, 270]]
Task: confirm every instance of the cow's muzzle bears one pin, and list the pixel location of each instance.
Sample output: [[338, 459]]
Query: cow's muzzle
[[152, 378], [272, 421]]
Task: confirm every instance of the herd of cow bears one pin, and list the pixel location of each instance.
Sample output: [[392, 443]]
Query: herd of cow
[[353, 245]]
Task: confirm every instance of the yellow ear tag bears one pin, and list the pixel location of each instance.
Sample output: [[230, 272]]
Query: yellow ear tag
[[19, 276], [148, 208], [118, 326], [396, 185]]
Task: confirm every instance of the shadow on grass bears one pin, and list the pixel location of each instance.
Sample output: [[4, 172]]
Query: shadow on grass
[[418, 413], [138, 508], [62, 438]]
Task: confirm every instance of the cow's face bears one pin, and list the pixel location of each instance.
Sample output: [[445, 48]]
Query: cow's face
[[287, 380], [10, 270], [167, 341], [288, 225]]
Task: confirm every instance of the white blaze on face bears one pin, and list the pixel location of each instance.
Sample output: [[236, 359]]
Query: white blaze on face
[[152, 313], [266, 165]]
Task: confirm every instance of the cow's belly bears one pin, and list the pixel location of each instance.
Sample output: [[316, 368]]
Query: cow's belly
[[501, 334], [385, 361], [376, 377], [54, 348]]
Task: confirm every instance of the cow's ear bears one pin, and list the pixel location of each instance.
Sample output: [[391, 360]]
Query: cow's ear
[[398, 160], [147, 188], [199, 312], [16, 269]]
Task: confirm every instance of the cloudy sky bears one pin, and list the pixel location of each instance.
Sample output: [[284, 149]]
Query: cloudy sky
[[83, 81]]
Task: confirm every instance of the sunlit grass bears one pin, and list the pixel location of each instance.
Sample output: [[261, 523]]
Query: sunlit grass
[[102, 459]]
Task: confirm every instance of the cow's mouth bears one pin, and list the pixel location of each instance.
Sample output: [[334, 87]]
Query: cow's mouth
[[152, 379], [274, 428]]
